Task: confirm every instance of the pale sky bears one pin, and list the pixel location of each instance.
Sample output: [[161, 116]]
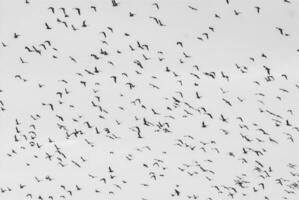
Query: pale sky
[[207, 116]]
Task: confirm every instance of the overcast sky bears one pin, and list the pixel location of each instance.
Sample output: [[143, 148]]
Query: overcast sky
[[187, 59]]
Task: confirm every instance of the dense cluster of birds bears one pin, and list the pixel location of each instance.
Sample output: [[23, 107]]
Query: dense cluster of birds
[[90, 109]]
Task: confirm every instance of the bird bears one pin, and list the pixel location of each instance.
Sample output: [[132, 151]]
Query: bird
[[206, 35], [110, 28], [131, 14], [223, 119], [177, 192], [216, 16], [74, 28], [203, 125], [22, 61], [51, 8], [84, 25], [94, 8], [227, 102], [78, 10], [156, 5], [192, 8], [114, 3], [237, 12], [16, 35], [3, 44], [257, 9], [47, 26], [73, 59], [107, 87], [280, 30], [137, 129]]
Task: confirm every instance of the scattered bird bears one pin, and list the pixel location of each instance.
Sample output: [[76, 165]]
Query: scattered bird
[[114, 3], [257, 9], [47, 26], [106, 100]]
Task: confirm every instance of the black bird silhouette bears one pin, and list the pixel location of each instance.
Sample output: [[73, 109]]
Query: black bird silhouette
[[51, 106], [52, 9], [192, 8], [237, 12], [22, 61], [48, 42], [212, 29], [114, 3], [110, 29], [15, 35], [217, 16], [156, 5], [47, 26], [223, 118], [226, 101], [267, 69], [257, 9], [73, 59], [131, 14], [177, 192], [114, 78], [95, 56], [203, 124], [137, 129], [28, 49], [36, 50], [74, 28], [206, 35], [78, 188], [131, 85], [96, 70], [60, 117], [3, 44], [84, 24], [285, 76], [280, 30], [88, 124], [78, 11], [44, 46], [77, 164]]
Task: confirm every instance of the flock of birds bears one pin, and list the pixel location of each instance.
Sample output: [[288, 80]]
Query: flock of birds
[[111, 113]]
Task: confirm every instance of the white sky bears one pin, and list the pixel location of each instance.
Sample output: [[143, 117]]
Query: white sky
[[236, 39]]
